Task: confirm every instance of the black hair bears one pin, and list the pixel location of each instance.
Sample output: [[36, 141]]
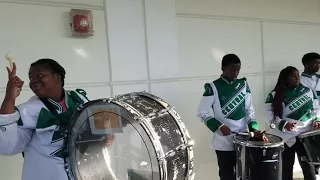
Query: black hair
[[54, 66], [230, 59], [310, 57], [279, 90]]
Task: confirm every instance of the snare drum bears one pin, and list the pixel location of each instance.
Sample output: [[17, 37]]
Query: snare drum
[[135, 136], [257, 160], [311, 143]]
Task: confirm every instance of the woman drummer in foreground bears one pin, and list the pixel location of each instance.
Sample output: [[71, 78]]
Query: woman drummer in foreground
[[37, 127], [294, 109]]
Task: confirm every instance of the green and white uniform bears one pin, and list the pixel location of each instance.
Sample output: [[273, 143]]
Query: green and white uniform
[[297, 102], [311, 81], [34, 131], [231, 103]]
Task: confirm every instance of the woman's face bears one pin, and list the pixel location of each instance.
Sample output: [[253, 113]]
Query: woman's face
[[43, 82], [293, 79]]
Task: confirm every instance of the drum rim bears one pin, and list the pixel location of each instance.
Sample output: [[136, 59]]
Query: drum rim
[[309, 133], [182, 128], [271, 145], [69, 169]]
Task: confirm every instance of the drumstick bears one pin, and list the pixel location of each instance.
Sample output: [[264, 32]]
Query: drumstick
[[272, 126], [10, 59], [250, 134], [308, 112]]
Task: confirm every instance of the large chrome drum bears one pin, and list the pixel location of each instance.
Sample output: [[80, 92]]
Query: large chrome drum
[[311, 142], [135, 136], [257, 160]]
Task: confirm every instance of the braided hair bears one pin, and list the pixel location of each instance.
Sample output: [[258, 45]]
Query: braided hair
[[54, 66], [279, 90]]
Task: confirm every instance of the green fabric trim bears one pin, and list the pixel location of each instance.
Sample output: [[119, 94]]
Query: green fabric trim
[[314, 95], [253, 125], [47, 119], [82, 92], [213, 124], [59, 153], [208, 91], [269, 98], [317, 119], [248, 88], [74, 96], [20, 122], [282, 125]]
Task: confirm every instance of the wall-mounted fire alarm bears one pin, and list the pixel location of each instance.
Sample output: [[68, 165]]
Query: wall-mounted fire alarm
[[81, 22]]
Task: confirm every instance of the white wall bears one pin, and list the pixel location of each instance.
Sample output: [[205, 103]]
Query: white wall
[[134, 48], [168, 48], [267, 36]]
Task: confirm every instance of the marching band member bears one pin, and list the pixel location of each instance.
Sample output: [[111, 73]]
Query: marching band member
[[37, 127], [309, 78], [294, 109], [231, 101]]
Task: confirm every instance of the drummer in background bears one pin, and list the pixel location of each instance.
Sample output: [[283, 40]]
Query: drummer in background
[[294, 109], [231, 101], [35, 129], [309, 78]]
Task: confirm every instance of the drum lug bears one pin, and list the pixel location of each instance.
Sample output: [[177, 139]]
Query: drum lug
[[169, 154], [109, 100], [139, 119], [189, 144], [151, 115], [264, 152], [162, 112]]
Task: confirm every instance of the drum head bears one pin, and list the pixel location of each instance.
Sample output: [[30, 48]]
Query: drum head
[[245, 140], [105, 142]]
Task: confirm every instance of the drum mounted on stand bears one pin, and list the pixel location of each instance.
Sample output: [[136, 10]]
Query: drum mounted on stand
[[258, 160], [311, 142]]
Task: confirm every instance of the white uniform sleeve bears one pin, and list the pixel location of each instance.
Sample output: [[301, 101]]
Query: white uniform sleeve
[[206, 106], [316, 108], [206, 103], [250, 114], [13, 138], [16, 129]]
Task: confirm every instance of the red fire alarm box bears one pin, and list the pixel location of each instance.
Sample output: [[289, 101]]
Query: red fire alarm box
[[81, 22]]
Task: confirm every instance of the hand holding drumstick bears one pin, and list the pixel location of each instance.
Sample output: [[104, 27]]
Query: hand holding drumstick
[[13, 89]]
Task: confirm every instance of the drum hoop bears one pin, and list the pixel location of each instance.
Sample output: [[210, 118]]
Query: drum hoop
[[309, 133], [145, 124], [181, 126], [271, 145]]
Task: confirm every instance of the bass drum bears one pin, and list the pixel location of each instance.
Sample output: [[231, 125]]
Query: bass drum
[[135, 136], [258, 160]]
